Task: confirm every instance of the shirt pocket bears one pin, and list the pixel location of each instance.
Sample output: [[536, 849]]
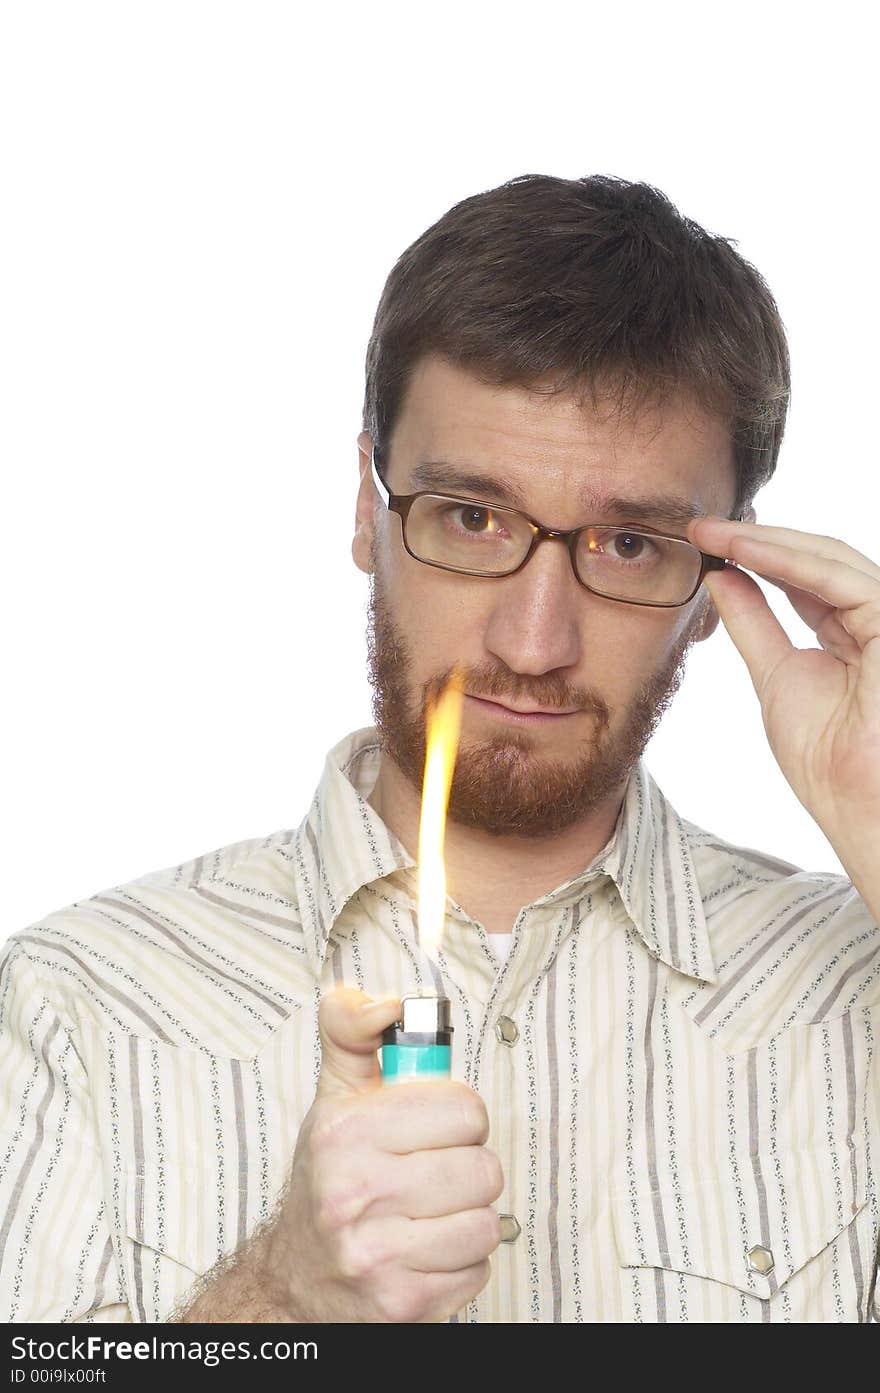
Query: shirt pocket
[[196, 1150], [177, 1227], [781, 1230]]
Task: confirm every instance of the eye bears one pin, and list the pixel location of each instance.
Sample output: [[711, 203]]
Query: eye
[[475, 519], [630, 545]]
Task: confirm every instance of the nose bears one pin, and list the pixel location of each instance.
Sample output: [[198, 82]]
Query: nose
[[534, 624]]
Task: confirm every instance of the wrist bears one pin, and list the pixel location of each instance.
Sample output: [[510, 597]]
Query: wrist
[[270, 1261]]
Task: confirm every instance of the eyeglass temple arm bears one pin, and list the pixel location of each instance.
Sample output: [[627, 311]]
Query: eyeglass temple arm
[[713, 563], [384, 493]]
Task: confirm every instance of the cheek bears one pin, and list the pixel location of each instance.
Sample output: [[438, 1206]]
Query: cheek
[[661, 631], [443, 617], [419, 597], [621, 653]]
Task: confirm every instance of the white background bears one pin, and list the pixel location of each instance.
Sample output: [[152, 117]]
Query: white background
[[201, 202]]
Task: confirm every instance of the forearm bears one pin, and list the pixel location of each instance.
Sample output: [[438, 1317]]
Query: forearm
[[242, 1289]]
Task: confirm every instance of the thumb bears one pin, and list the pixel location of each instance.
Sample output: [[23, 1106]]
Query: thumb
[[351, 1025]]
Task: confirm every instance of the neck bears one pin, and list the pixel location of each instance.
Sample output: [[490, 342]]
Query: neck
[[492, 876]]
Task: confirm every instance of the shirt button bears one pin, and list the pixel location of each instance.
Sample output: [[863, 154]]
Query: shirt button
[[506, 1030], [510, 1229], [761, 1260]]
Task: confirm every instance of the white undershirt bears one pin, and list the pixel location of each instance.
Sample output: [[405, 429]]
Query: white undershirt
[[501, 944]]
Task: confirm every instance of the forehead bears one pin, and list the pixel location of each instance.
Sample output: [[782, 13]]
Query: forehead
[[562, 450]]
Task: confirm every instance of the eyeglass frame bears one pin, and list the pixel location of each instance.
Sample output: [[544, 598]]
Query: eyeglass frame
[[401, 503]]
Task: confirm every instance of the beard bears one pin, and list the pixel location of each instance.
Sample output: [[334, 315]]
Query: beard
[[502, 784]]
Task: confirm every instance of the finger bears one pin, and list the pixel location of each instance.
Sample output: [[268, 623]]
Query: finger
[[832, 636], [835, 582], [717, 532], [351, 1025], [809, 607], [444, 1293], [412, 1117], [452, 1243], [824, 620], [428, 1184], [750, 622], [863, 626]]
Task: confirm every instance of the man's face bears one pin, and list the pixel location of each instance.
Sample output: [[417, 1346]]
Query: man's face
[[605, 670]]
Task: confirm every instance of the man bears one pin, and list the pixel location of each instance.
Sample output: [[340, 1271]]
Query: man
[[665, 1094]]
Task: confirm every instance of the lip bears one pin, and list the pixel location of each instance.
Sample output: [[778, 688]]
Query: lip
[[508, 713]]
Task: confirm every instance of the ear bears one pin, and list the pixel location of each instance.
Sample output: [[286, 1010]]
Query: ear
[[709, 621], [367, 499]]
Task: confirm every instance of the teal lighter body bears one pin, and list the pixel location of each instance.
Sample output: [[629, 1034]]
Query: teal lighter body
[[419, 1045]]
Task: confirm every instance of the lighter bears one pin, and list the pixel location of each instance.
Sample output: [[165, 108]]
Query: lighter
[[419, 1045]]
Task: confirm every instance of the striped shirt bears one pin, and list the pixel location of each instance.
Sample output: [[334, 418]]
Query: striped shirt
[[677, 1056]]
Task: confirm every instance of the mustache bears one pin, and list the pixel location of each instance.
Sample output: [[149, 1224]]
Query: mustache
[[550, 690]]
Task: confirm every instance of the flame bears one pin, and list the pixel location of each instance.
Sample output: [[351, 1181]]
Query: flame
[[441, 747]]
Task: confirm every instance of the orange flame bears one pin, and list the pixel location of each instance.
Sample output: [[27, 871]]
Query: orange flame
[[441, 748]]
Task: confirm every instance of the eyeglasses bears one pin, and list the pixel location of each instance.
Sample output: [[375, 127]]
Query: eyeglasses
[[480, 539]]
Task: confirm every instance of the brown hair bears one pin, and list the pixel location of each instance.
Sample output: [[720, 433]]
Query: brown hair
[[594, 283]]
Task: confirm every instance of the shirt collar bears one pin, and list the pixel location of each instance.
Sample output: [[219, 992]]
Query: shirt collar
[[343, 844], [649, 859]]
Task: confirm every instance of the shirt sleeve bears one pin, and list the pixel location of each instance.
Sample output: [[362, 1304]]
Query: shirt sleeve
[[874, 1105], [57, 1260]]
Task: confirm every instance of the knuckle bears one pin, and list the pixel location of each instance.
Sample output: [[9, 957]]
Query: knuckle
[[474, 1116], [335, 1127], [494, 1173], [489, 1229], [339, 1202], [363, 1255], [402, 1303], [328, 1216], [481, 1274], [874, 611], [354, 1258], [325, 1130]]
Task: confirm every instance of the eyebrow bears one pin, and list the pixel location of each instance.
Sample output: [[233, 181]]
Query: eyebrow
[[652, 507]]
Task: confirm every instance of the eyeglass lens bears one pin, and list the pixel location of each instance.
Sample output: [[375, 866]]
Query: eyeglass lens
[[616, 561]]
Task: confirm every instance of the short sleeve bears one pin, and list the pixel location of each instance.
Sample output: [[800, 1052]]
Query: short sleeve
[[57, 1261]]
